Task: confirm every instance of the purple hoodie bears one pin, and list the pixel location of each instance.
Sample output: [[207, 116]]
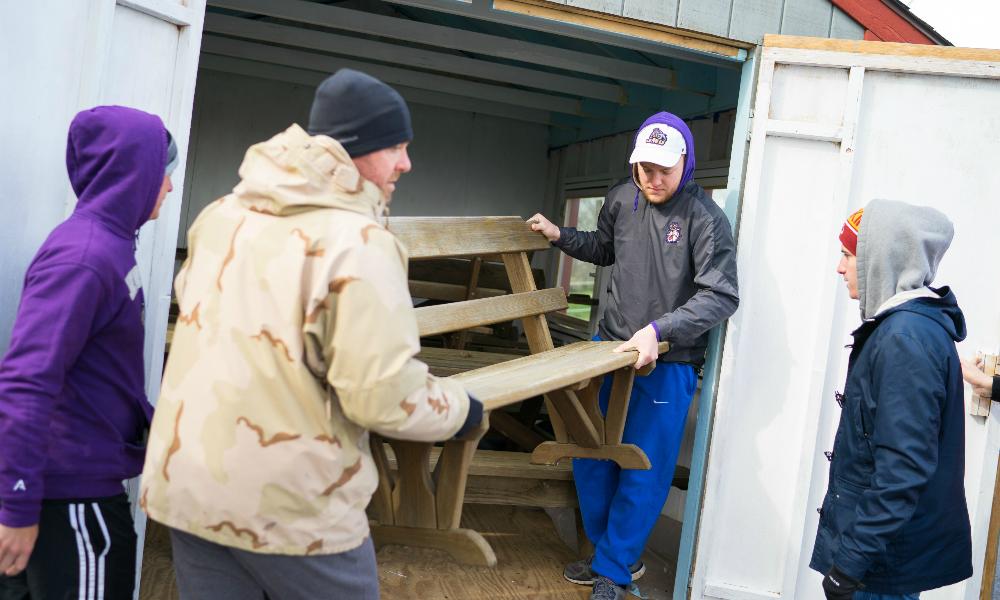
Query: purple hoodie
[[73, 409], [665, 118]]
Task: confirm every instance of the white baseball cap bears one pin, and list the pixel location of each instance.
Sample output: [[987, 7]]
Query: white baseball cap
[[659, 144]]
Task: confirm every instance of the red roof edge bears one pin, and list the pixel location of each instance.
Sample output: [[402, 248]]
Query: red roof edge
[[882, 23]]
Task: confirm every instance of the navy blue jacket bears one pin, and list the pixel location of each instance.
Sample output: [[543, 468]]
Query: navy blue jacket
[[895, 515]]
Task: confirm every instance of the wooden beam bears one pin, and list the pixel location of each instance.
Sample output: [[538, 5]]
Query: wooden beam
[[434, 237], [625, 26], [239, 66], [212, 44], [881, 48], [493, 14], [413, 57], [464, 545], [628, 456], [455, 39], [457, 316]]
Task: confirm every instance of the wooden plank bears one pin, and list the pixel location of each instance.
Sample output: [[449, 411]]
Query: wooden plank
[[628, 456], [413, 500], [456, 316], [359, 22], [530, 560], [992, 541], [498, 463], [452, 64], [515, 380], [464, 545], [578, 425], [881, 48], [445, 362], [492, 273], [433, 237], [535, 329], [448, 292], [514, 491], [621, 392], [620, 25]]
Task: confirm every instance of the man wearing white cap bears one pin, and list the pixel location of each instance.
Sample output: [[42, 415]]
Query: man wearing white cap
[[673, 278]]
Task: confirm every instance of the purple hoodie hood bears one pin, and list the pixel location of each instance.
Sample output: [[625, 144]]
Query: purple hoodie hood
[[73, 406], [115, 157], [672, 120]]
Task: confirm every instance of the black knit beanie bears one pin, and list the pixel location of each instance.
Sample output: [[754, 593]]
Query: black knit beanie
[[360, 112]]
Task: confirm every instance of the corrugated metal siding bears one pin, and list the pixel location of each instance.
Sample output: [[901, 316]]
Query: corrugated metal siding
[[744, 20]]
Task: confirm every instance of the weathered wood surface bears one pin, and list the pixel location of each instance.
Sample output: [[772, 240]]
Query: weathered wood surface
[[628, 456], [507, 382], [456, 316], [530, 559], [492, 273], [464, 545], [448, 361], [434, 237]]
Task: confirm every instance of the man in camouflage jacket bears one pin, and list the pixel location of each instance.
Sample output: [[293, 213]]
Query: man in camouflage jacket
[[296, 336]]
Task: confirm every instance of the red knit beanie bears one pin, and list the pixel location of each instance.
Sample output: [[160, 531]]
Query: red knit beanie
[[849, 233]]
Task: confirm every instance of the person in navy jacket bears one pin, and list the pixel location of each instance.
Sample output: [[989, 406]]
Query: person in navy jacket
[[894, 521]]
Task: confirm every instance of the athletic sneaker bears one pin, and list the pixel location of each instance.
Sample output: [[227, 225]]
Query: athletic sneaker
[[605, 589], [579, 572]]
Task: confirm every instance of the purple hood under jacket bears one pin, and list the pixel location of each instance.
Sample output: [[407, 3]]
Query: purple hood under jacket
[[73, 408]]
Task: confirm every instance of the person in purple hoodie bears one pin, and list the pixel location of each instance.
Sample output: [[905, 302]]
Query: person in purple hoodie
[[73, 410], [673, 278]]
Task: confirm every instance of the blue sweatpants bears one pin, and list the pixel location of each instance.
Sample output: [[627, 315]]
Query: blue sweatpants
[[621, 506]]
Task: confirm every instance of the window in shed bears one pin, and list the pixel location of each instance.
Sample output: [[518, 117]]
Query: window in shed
[[579, 278]]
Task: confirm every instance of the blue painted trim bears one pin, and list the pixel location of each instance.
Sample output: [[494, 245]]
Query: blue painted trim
[[710, 380]]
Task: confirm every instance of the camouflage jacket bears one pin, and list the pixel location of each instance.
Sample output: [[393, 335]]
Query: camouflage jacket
[[296, 336]]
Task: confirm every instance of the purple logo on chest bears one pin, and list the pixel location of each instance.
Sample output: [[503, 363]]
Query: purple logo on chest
[[673, 233]]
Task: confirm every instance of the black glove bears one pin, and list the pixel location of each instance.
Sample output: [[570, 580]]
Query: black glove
[[838, 586]]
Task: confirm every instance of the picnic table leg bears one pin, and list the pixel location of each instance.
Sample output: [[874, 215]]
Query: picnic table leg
[[628, 456], [426, 510], [621, 391], [536, 328], [413, 502], [380, 508]]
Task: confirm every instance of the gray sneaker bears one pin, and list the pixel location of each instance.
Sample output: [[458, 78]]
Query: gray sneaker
[[605, 589], [579, 572]]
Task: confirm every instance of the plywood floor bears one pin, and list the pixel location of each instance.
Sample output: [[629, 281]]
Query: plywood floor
[[530, 559]]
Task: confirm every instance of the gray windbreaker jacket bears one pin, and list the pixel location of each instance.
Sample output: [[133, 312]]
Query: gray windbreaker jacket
[[673, 264]]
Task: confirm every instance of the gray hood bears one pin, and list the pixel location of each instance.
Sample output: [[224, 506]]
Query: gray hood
[[899, 248]]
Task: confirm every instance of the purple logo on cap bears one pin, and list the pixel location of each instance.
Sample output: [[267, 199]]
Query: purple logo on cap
[[657, 137]]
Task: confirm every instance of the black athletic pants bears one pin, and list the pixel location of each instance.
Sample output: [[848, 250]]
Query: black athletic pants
[[85, 551]]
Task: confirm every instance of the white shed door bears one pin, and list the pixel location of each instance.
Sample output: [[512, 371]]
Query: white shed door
[[145, 55], [835, 125], [149, 61]]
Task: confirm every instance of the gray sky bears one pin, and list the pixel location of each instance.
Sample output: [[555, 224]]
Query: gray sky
[[970, 23]]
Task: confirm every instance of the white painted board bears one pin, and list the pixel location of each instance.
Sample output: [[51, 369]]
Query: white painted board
[[831, 132]]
